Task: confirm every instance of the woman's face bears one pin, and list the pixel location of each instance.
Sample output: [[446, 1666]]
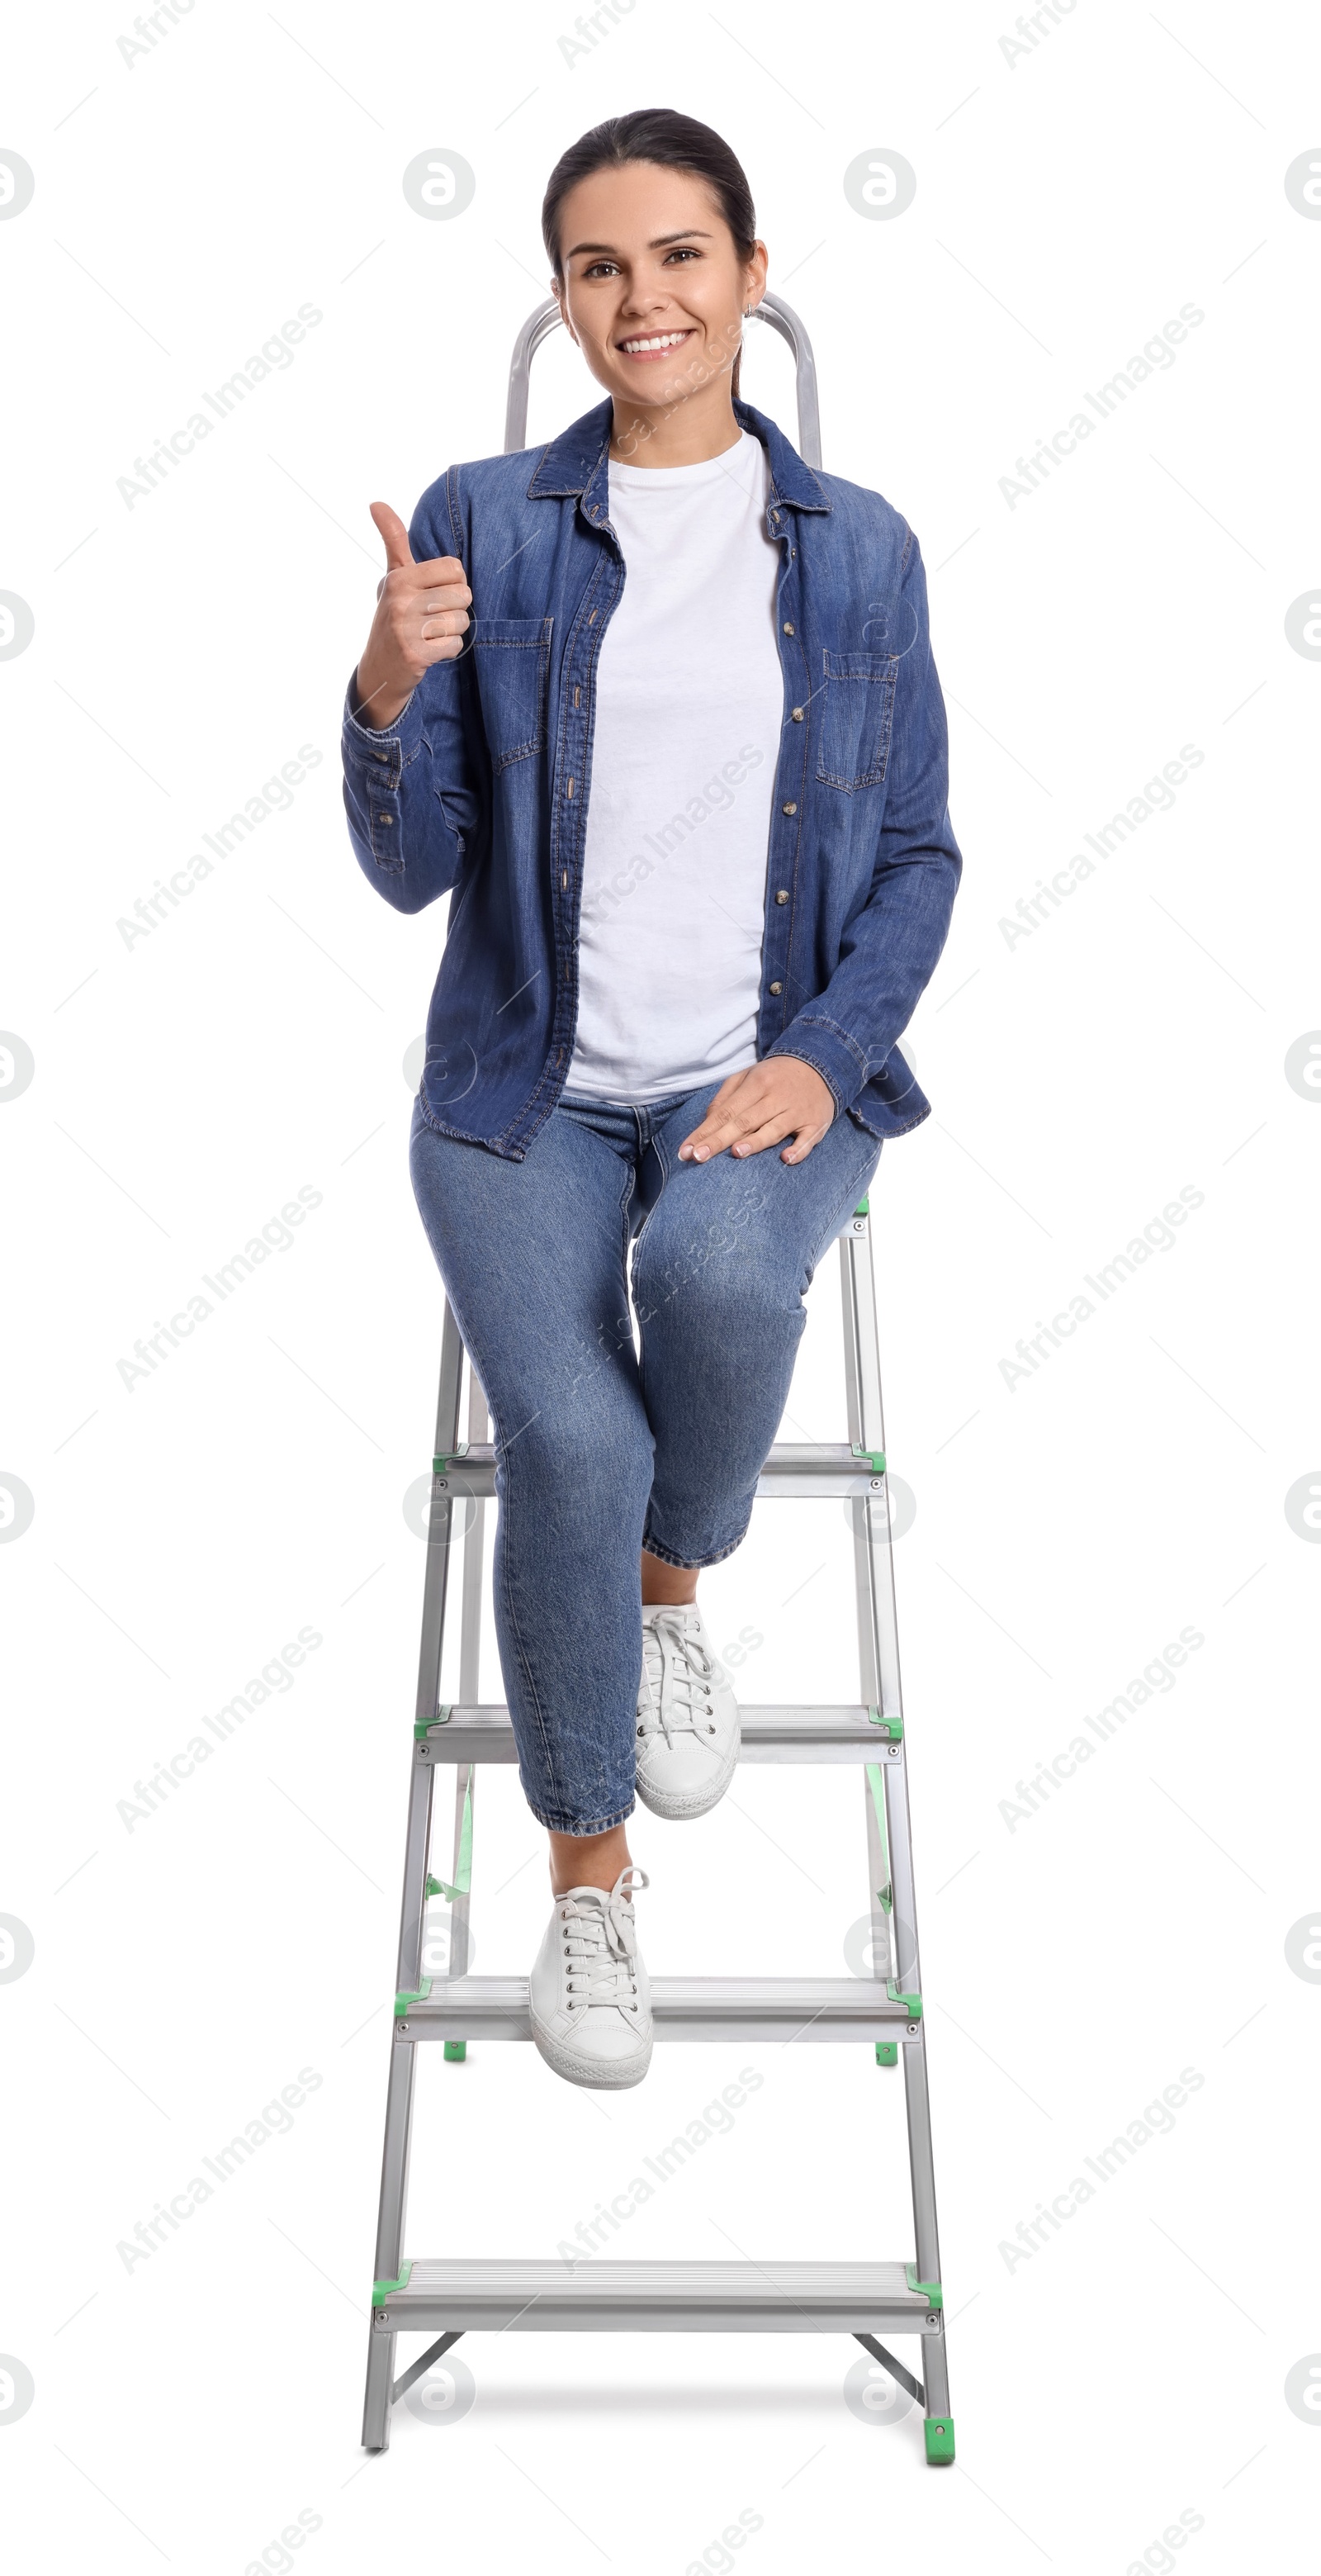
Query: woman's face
[[653, 289]]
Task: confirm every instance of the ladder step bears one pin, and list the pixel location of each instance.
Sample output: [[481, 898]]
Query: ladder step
[[679, 2298], [683, 2008], [794, 1468], [847, 1733]]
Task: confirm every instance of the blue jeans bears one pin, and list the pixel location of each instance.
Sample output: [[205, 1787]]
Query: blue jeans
[[600, 1453]]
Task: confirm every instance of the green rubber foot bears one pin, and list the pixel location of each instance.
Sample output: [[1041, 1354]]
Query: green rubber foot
[[455, 2051], [939, 2430], [887, 2052]]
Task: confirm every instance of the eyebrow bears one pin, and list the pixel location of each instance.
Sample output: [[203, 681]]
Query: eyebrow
[[663, 241]]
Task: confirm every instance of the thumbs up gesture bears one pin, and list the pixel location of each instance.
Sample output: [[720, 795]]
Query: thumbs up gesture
[[421, 616]]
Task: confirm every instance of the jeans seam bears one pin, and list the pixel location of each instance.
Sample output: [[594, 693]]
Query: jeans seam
[[516, 1632], [503, 1507]]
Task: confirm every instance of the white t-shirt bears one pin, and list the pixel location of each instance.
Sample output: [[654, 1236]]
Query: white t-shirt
[[689, 710]]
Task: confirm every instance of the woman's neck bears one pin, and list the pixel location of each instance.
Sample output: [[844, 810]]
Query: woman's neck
[[687, 432]]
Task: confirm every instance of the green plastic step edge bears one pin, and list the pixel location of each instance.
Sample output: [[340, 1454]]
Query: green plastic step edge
[[861, 1208], [887, 2052], [891, 1726], [456, 2051], [873, 1458], [383, 2290], [939, 2433], [417, 1995], [448, 1458], [423, 1725], [913, 2002], [935, 2296]]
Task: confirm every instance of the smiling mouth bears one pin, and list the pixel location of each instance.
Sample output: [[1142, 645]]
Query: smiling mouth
[[654, 344]]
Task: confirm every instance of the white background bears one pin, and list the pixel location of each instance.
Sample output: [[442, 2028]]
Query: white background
[[1068, 202]]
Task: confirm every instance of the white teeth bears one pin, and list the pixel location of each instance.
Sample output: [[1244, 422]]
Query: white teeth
[[663, 340]]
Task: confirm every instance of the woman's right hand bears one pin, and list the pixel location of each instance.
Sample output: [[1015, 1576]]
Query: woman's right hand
[[421, 616]]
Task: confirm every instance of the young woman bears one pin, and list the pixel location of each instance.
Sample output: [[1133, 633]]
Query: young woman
[[656, 705]]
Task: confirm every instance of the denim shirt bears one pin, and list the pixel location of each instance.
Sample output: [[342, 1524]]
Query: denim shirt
[[479, 789]]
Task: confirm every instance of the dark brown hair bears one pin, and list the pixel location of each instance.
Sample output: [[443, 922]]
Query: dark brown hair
[[675, 142]]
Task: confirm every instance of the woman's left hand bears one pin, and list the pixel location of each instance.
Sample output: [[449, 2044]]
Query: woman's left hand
[[781, 1096]]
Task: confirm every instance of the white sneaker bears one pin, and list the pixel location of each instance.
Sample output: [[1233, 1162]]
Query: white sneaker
[[688, 1724], [590, 1999]]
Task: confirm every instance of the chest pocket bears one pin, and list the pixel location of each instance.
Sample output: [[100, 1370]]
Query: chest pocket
[[511, 664], [856, 716]]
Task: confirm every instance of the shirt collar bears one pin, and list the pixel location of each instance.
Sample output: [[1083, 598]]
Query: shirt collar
[[576, 464]]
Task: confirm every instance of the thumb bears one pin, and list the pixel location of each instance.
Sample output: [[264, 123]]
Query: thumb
[[393, 534]]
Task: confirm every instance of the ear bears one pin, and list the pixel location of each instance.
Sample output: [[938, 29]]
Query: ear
[[557, 290]]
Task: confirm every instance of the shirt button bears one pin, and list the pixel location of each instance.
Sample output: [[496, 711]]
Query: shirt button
[[783, 895], [380, 755], [797, 714], [777, 988], [387, 819], [788, 629], [788, 809]]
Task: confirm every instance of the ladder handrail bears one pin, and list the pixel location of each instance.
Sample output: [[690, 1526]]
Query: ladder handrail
[[772, 309]]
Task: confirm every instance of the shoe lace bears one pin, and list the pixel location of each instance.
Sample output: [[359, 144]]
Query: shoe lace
[[601, 1941], [676, 1674]]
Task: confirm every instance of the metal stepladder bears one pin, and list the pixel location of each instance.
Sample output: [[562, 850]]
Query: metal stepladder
[[448, 2298]]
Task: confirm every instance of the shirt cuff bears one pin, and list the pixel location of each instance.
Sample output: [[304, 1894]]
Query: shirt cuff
[[392, 745], [818, 1043]]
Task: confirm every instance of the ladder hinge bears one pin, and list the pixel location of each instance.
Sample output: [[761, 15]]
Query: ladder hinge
[[874, 1459], [417, 1995], [381, 2290], [891, 1726], [935, 2296], [911, 2003]]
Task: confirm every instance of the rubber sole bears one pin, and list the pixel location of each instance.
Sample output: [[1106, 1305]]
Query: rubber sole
[[680, 1811], [594, 2074]]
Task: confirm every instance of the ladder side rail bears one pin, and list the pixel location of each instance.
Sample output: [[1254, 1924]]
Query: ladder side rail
[[393, 2202], [880, 1632], [878, 1621], [470, 1639], [440, 1532], [440, 1526]]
